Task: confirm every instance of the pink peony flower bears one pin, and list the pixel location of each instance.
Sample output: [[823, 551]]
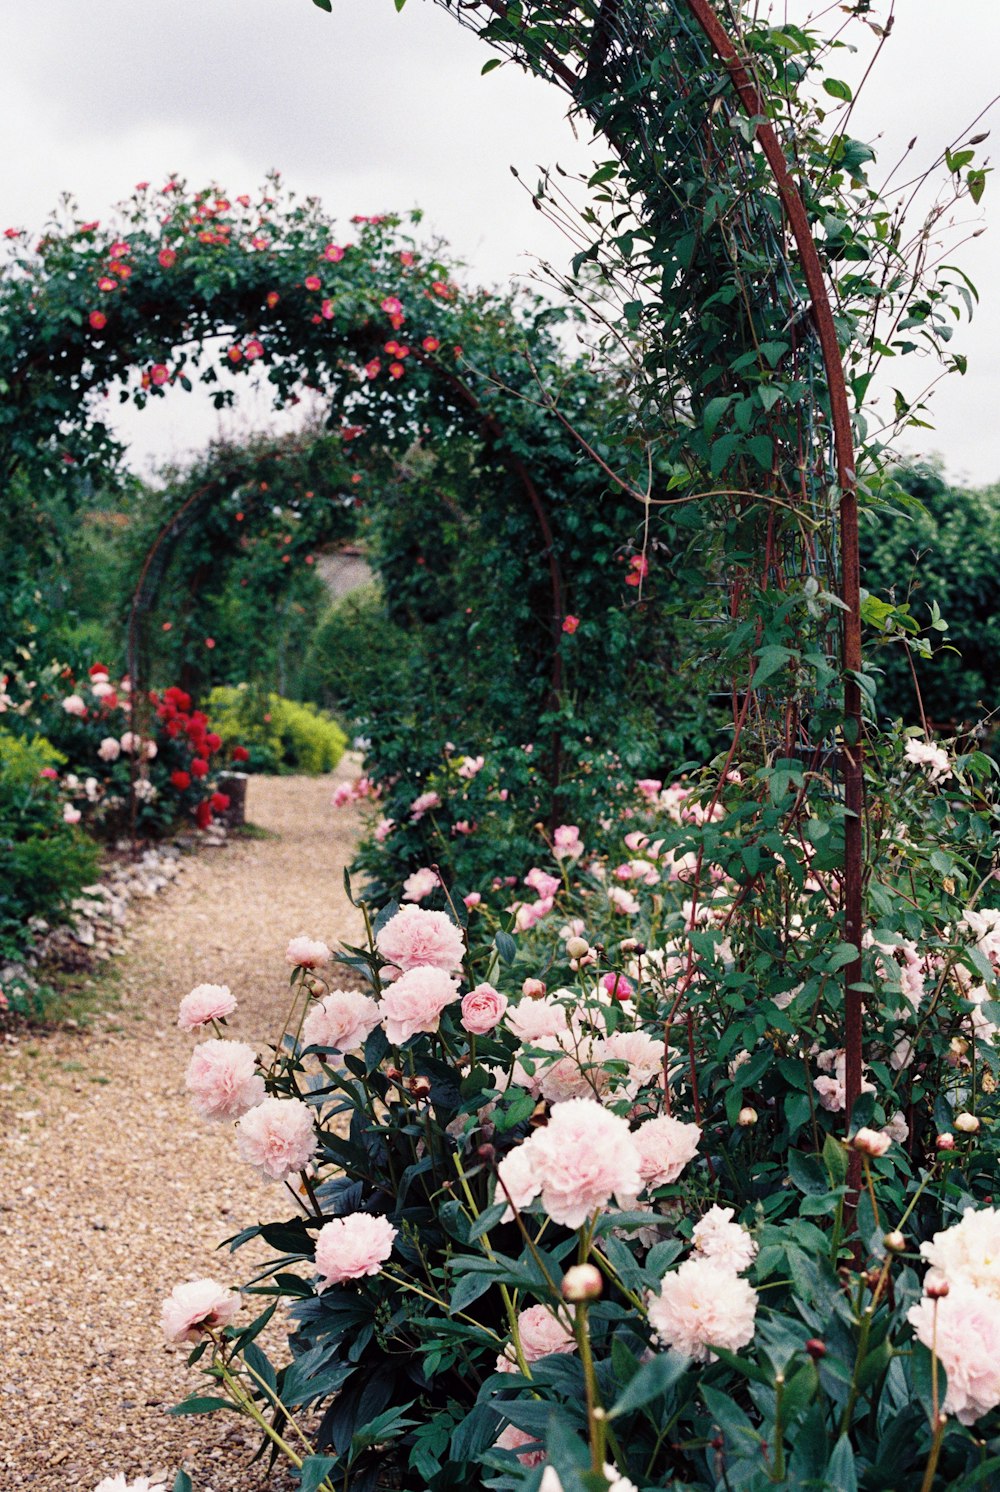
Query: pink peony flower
[[582, 1158], [342, 793], [470, 766], [74, 705], [702, 1305], [420, 884], [649, 787], [963, 1328], [933, 759], [383, 829], [622, 901], [351, 1247], [665, 1147], [344, 1019], [513, 1439], [718, 1238], [415, 1001], [643, 1053], [222, 1079], [546, 886], [472, 900], [482, 1008], [416, 938], [566, 842], [192, 1309], [109, 749], [617, 986], [968, 1252], [277, 1137], [205, 1003], [423, 804], [530, 1019], [529, 914], [307, 953], [542, 1334]]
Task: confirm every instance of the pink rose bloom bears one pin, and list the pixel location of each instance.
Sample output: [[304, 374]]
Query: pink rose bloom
[[416, 938], [149, 750], [966, 1338], [582, 1158], [420, 884], [665, 1147], [635, 840], [472, 900], [649, 787], [71, 815], [702, 1305], [342, 794], [191, 1309], [109, 749], [513, 1439], [728, 1243], [129, 741], [74, 705], [423, 804], [383, 829], [307, 953], [542, 1334], [277, 1137], [415, 1001], [205, 1003], [351, 1247], [566, 842], [470, 766], [222, 1079], [344, 1019], [545, 885], [482, 1009]]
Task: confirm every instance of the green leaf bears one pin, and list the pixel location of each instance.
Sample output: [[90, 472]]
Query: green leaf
[[654, 1378], [841, 1474], [505, 946], [326, 5], [772, 658], [314, 1469], [836, 89], [488, 67], [206, 1404]]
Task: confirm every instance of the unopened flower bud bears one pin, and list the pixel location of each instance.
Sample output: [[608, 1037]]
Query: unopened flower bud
[[895, 1241], [533, 989], [316, 987], [577, 947], [486, 1153], [936, 1289], [871, 1141], [393, 1074], [420, 1087], [747, 1117], [815, 1348], [582, 1282], [967, 1123], [945, 1142]]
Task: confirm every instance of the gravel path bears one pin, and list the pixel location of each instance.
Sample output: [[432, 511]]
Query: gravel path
[[112, 1190]]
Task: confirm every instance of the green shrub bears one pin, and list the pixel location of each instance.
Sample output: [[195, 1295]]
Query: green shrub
[[280, 734], [44, 861]]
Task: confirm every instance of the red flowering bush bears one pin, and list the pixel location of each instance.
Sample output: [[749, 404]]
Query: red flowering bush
[[164, 757]]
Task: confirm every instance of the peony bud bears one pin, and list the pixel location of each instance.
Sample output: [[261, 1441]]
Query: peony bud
[[871, 1141], [945, 1142], [533, 989], [487, 1154], [582, 1282], [747, 1117], [393, 1074], [967, 1123], [316, 988], [577, 947], [895, 1241], [936, 1289], [420, 1087], [815, 1348]]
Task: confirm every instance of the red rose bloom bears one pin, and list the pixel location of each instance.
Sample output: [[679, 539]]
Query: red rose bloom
[[219, 802], [213, 741], [180, 780], [240, 754], [203, 815], [199, 767]]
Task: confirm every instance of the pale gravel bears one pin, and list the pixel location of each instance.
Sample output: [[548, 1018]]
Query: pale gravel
[[111, 1188]]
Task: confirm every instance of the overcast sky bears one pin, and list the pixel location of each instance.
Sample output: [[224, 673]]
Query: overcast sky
[[376, 111]]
